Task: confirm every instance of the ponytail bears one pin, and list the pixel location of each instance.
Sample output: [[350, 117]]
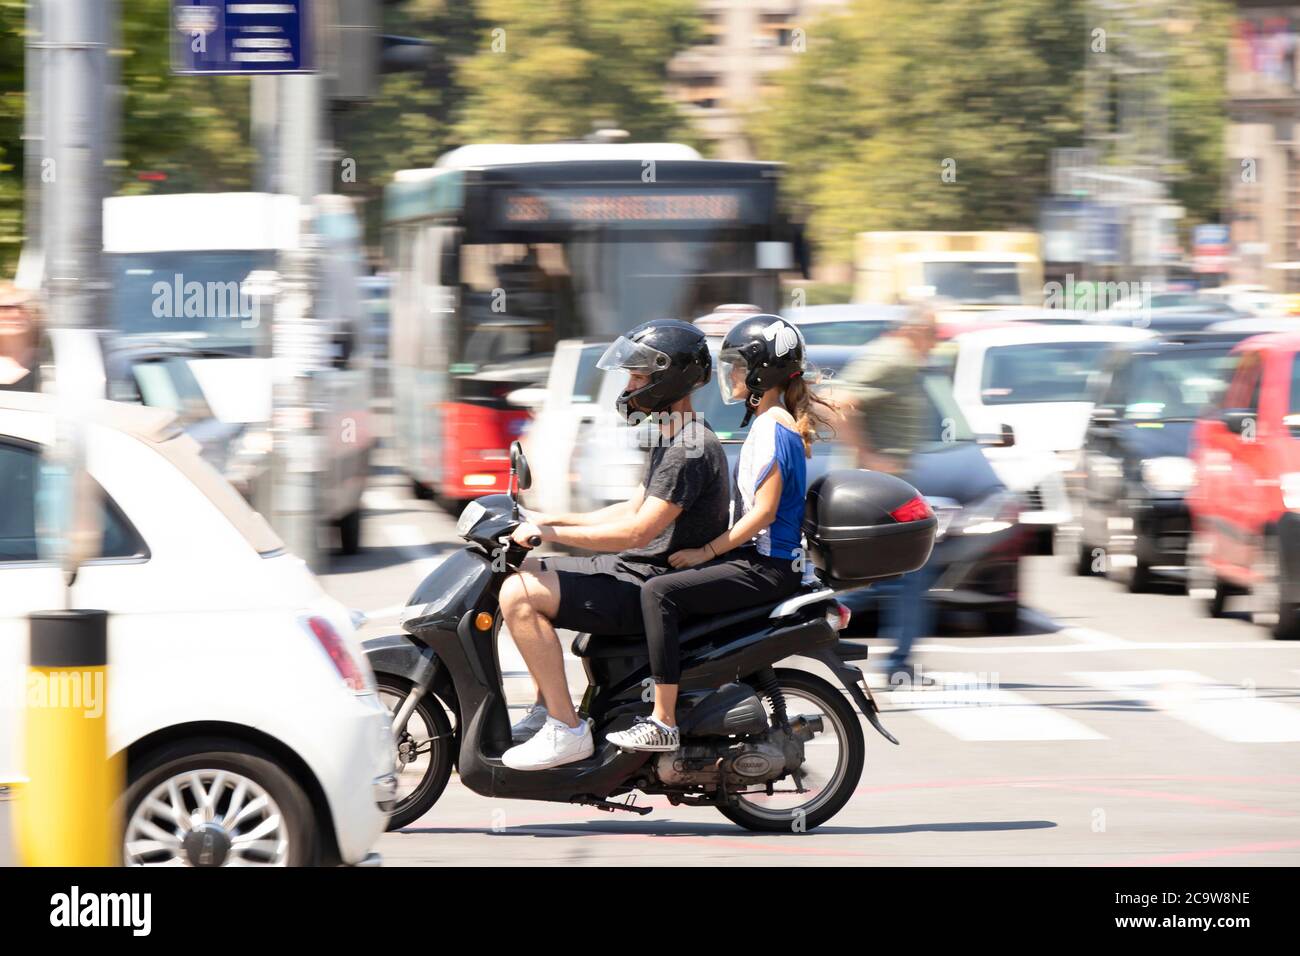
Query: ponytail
[[809, 411]]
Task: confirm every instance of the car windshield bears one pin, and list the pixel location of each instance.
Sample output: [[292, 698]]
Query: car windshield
[[1039, 372], [187, 295], [1176, 384], [170, 383], [848, 332], [586, 381], [993, 283]]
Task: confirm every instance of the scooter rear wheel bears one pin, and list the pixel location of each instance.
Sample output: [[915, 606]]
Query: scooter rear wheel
[[425, 747], [809, 696]]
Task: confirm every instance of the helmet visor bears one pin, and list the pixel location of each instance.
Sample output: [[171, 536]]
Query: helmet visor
[[632, 357], [732, 369]]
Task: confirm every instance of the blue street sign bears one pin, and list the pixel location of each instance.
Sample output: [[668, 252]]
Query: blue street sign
[[240, 36]]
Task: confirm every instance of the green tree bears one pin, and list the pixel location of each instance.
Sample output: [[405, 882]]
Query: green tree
[[548, 71], [409, 122], [936, 114], [11, 126], [192, 128]]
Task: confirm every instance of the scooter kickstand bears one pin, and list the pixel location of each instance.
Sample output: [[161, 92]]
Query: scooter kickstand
[[609, 806]]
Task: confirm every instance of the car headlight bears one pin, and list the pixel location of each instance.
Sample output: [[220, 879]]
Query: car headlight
[[1169, 474], [1290, 483]]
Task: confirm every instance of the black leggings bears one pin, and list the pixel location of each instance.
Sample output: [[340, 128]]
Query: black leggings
[[727, 584]]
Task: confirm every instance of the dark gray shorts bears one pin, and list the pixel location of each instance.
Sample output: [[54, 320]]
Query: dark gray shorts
[[600, 594]]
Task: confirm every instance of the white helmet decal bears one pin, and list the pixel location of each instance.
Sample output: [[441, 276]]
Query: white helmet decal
[[782, 337]]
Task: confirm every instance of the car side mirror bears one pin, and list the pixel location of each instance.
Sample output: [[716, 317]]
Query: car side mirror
[[342, 345], [1002, 438], [1103, 416], [519, 466], [1238, 420]]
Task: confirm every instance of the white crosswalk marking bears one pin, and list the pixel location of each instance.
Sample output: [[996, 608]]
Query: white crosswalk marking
[[973, 707], [1229, 712]]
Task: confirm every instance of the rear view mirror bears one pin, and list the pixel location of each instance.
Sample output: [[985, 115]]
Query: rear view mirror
[[1004, 438], [1103, 416], [1239, 421], [519, 467]]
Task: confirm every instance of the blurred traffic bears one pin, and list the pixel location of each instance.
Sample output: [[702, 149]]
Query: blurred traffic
[[214, 401]]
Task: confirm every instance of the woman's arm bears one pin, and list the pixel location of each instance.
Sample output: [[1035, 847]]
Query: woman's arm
[[766, 501]]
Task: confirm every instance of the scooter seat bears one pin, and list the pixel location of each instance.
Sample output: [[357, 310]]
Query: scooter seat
[[623, 645]]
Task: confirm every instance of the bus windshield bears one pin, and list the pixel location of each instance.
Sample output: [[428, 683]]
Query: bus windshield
[[519, 299]]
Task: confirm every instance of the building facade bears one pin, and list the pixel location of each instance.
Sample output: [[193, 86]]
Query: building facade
[[1263, 149], [720, 79]]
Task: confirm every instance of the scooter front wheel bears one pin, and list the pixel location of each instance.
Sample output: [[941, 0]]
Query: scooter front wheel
[[832, 767], [424, 751]]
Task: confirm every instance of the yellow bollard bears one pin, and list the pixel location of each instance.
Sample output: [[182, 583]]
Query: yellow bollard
[[66, 811]]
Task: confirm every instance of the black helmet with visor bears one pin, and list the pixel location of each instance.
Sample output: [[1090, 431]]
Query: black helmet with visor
[[769, 351], [674, 356]]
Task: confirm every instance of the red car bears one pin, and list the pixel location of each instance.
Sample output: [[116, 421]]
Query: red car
[[1245, 503]]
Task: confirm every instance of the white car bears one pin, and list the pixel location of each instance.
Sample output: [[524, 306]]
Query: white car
[[1033, 380], [562, 411], [237, 690], [190, 332]]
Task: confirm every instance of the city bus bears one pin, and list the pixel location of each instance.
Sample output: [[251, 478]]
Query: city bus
[[500, 251]]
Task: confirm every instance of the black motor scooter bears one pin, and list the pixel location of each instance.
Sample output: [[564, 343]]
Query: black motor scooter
[[772, 748]]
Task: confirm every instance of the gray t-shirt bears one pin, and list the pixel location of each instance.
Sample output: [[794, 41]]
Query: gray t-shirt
[[689, 471]]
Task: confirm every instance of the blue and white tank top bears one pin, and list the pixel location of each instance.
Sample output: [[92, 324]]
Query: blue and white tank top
[[773, 444]]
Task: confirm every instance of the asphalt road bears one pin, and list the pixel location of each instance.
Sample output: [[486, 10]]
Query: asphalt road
[[1111, 729]]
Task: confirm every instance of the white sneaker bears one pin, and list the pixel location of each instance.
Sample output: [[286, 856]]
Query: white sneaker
[[552, 746], [529, 724]]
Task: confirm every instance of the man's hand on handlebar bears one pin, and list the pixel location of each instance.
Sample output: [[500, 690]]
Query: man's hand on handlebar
[[527, 535]]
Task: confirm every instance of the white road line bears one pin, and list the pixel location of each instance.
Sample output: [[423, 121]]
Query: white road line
[[1226, 711], [1086, 635], [973, 707], [927, 647]]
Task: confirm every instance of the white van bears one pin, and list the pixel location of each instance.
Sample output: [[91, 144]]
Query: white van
[[189, 331]]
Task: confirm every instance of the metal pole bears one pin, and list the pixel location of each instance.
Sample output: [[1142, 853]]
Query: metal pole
[[66, 808], [297, 346], [264, 92]]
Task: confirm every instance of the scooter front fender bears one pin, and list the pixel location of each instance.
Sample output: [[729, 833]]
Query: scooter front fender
[[401, 656]]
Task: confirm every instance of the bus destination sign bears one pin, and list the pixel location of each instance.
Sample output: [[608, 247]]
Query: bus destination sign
[[586, 206]]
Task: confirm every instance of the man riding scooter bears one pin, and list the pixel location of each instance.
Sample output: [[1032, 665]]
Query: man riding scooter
[[681, 503]]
